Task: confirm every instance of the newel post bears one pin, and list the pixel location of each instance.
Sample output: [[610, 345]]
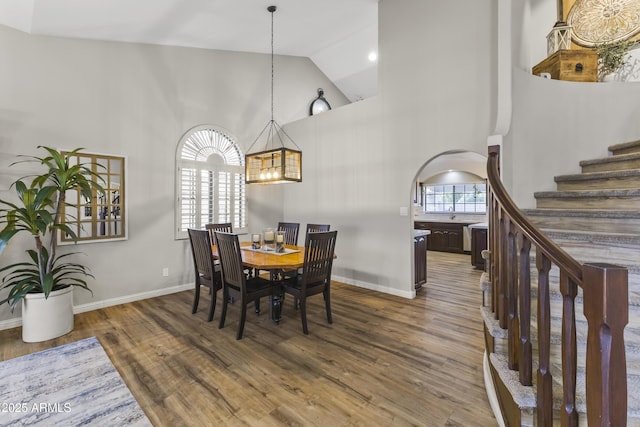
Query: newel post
[[606, 308]]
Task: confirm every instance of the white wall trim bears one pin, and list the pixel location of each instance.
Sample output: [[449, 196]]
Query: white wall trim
[[14, 323], [491, 391], [374, 287]]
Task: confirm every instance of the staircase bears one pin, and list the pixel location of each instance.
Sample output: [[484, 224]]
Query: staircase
[[593, 216]]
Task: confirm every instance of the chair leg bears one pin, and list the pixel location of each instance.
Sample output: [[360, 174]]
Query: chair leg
[[296, 302], [225, 301], [243, 317], [196, 300], [303, 315], [327, 303], [257, 303], [212, 306]]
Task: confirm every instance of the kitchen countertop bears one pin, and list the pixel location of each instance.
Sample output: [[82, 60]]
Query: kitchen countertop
[[461, 219], [418, 233], [480, 225]]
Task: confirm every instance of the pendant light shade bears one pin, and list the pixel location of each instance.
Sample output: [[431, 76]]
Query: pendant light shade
[[275, 163]]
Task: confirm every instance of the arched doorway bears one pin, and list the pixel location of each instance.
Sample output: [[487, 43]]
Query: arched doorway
[[449, 201]]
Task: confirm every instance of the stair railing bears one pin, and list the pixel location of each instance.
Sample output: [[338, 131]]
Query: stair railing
[[605, 302]]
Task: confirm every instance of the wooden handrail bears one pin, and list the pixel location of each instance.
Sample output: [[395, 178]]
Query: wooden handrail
[[556, 253], [605, 300]]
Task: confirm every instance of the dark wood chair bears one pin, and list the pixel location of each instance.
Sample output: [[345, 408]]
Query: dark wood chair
[[314, 228], [290, 232], [235, 281], [225, 227], [206, 272], [316, 273], [311, 228]]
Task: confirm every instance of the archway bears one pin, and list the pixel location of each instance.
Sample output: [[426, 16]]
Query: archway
[[449, 223]]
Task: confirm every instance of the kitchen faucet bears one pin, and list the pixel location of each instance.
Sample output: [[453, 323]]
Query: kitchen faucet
[[453, 215]]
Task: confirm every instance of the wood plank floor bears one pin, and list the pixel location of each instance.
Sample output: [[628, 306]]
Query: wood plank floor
[[385, 360]]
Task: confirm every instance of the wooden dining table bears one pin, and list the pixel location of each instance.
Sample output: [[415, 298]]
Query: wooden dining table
[[273, 262]]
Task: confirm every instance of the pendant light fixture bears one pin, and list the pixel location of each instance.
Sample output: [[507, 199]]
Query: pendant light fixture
[[275, 163]]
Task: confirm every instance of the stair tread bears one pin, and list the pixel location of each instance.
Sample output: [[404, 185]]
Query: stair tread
[[597, 236], [625, 192], [610, 159], [585, 176], [624, 145], [584, 213], [525, 396]]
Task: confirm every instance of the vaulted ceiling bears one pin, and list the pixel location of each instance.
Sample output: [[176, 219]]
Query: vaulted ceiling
[[337, 35]]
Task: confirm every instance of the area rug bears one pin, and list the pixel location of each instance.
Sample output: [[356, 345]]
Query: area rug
[[71, 385]]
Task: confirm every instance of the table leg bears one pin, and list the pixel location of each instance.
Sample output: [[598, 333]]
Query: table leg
[[276, 300]]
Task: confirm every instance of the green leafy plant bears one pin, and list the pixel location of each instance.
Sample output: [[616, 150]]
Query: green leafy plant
[[612, 56], [39, 212]]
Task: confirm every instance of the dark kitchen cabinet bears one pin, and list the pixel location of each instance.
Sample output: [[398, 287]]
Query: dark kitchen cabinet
[[444, 237], [478, 244], [420, 260]]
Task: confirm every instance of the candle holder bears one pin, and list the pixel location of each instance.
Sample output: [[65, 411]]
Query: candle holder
[[255, 240], [280, 241], [269, 238]]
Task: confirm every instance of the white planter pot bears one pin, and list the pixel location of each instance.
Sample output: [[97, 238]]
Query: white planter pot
[[45, 319]]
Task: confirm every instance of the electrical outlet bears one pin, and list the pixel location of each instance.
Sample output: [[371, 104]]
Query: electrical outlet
[[165, 272]]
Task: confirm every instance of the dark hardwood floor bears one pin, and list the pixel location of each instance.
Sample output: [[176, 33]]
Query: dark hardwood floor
[[384, 361]]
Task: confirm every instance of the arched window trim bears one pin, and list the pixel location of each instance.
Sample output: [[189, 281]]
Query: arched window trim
[[209, 188]]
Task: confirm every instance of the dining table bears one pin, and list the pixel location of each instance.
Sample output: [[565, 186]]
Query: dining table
[[292, 258]]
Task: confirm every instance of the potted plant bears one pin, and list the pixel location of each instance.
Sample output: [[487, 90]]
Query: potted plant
[[612, 56], [43, 283]]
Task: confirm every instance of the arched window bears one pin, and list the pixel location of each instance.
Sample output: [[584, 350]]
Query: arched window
[[210, 181]]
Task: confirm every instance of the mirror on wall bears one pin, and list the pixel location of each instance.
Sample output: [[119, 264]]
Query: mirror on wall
[[102, 217]]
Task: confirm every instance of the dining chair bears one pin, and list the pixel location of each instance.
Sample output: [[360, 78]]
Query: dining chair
[[315, 278], [226, 227], [314, 228], [290, 232], [311, 228], [206, 272], [235, 281]]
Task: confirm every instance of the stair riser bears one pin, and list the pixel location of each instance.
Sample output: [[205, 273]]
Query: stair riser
[[600, 184], [612, 165], [588, 203]]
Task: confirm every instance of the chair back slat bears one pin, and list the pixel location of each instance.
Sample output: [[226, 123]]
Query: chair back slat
[[230, 259], [201, 250], [318, 257], [225, 227], [314, 228], [290, 232]]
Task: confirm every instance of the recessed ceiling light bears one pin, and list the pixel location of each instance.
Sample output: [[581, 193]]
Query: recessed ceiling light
[[373, 56]]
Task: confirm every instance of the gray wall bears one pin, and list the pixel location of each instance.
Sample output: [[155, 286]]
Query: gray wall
[[555, 124], [361, 160], [438, 85], [137, 101]]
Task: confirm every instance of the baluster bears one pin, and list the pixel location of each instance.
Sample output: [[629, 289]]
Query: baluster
[[513, 330], [569, 290], [503, 303], [544, 398], [526, 357], [606, 307], [495, 258]]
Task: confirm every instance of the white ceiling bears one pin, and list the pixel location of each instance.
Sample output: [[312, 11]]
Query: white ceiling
[[337, 35]]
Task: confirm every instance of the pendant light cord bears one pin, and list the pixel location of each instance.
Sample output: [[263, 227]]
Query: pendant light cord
[[272, 9], [273, 127]]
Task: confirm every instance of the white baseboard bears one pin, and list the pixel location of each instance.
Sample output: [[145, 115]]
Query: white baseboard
[[491, 391], [392, 291], [14, 323]]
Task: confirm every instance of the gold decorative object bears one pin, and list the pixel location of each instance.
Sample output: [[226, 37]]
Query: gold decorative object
[[604, 21]]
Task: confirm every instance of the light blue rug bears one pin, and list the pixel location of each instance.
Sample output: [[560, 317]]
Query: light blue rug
[[71, 385]]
